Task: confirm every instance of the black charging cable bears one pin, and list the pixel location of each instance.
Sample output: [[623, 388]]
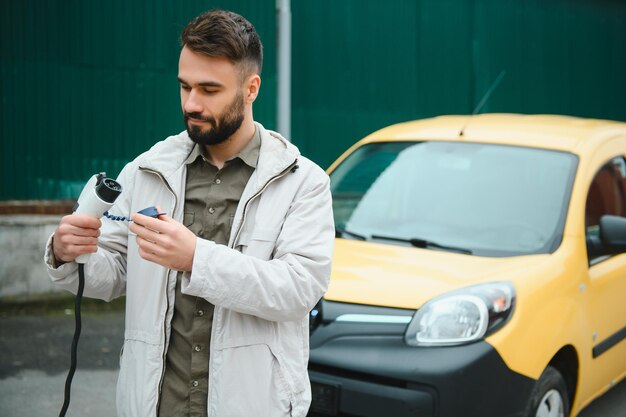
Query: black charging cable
[[70, 374], [107, 190]]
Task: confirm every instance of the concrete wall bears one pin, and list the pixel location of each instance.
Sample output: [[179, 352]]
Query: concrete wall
[[22, 271]]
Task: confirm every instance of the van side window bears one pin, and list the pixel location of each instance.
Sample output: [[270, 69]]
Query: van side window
[[607, 195]]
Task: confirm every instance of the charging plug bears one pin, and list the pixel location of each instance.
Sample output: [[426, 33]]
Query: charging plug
[[96, 198], [151, 212]]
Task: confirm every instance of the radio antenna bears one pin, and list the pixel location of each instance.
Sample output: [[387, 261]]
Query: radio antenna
[[484, 100]]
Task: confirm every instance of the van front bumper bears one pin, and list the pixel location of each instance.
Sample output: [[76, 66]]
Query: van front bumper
[[367, 370]]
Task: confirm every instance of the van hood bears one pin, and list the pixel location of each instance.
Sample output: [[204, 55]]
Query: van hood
[[406, 277]]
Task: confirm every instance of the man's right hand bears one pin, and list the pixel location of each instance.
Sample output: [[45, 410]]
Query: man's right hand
[[77, 234]]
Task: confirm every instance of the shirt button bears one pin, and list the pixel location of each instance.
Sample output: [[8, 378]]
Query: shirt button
[[197, 348], [211, 210], [201, 313], [218, 181], [194, 383]]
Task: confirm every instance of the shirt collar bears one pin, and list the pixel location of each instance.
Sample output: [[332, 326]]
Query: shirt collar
[[249, 154]]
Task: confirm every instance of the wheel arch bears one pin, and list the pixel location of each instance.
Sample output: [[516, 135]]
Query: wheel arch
[[567, 363]]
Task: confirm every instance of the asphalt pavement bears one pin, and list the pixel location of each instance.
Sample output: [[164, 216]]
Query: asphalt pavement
[[35, 352], [36, 357]]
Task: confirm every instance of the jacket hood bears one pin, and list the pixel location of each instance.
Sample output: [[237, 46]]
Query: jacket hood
[[406, 277]]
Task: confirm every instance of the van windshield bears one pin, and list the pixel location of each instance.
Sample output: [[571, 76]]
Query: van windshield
[[490, 200]]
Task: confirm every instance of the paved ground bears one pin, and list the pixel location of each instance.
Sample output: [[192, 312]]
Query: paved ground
[[35, 357]]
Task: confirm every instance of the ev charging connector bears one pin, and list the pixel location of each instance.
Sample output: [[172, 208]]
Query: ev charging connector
[[96, 198]]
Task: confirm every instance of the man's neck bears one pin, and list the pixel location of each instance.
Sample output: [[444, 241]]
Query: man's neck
[[222, 152]]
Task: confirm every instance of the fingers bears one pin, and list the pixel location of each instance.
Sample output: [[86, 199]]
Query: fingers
[[69, 229], [164, 241], [164, 217], [76, 235], [149, 256], [154, 223], [75, 240], [147, 247], [82, 221], [158, 225], [73, 251], [151, 243], [67, 252], [144, 232], [164, 230]]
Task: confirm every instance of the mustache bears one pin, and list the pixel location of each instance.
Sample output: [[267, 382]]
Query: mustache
[[199, 116]]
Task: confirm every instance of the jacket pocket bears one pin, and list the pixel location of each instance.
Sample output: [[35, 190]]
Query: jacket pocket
[[259, 242], [248, 380], [138, 379]]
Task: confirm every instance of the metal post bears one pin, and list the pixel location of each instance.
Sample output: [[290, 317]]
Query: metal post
[[283, 10]]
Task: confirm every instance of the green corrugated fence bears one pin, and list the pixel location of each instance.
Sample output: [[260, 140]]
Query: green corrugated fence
[[87, 85]]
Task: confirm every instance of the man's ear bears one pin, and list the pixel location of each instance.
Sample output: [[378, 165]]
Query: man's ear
[[251, 88]]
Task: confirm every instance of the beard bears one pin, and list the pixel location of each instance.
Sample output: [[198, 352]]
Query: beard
[[221, 128]]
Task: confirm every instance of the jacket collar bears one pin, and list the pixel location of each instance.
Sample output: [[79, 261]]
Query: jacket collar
[[276, 155], [168, 156], [249, 154]]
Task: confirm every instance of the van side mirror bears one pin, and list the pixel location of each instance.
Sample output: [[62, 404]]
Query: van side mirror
[[613, 234]]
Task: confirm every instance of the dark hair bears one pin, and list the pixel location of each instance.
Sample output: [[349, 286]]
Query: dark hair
[[221, 33]]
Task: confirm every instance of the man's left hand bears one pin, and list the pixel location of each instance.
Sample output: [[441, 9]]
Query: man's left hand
[[164, 241]]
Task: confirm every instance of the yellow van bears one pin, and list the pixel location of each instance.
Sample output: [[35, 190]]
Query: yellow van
[[478, 270]]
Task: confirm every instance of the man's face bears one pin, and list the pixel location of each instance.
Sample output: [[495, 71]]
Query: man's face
[[211, 97]]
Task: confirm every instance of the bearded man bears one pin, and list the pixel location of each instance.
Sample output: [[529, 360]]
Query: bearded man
[[218, 290]]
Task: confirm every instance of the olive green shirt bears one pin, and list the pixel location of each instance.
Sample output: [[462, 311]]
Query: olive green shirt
[[211, 198]]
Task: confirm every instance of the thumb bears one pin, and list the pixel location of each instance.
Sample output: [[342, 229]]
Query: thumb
[[164, 215]]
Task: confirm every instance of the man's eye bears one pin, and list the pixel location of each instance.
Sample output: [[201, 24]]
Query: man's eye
[[185, 87], [206, 91]]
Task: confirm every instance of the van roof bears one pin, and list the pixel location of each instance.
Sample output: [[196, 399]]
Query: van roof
[[565, 133]]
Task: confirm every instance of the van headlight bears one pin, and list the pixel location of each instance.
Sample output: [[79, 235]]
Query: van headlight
[[462, 316]]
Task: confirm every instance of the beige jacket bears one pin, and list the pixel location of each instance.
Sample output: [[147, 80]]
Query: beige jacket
[[263, 284]]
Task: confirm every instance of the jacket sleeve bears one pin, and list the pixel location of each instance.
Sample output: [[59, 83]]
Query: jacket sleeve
[[284, 288], [105, 271]]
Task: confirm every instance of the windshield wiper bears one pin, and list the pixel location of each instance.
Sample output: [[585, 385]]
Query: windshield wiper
[[340, 231], [422, 243]]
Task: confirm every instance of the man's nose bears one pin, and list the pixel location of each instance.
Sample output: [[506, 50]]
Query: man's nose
[[192, 104]]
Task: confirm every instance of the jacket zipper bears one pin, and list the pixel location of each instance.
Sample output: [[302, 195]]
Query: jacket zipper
[[245, 208], [167, 297], [271, 180]]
